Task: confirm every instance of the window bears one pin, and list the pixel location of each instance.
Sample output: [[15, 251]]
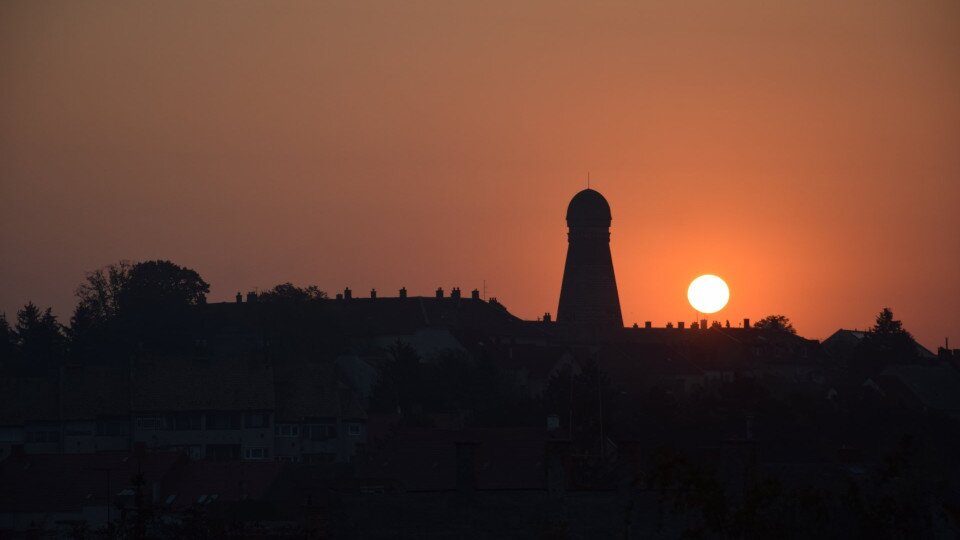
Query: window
[[223, 452], [257, 420], [43, 436], [184, 421], [354, 430], [288, 430], [151, 422], [223, 420], [256, 452], [113, 427], [321, 432]]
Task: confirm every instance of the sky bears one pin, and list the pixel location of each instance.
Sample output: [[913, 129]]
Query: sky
[[806, 152]]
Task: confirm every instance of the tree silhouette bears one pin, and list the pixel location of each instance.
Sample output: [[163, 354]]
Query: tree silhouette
[[888, 341], [153, 285], [8, 342], [290, 293], [123, 306], [40, 337], [775, 322], [99, 294]]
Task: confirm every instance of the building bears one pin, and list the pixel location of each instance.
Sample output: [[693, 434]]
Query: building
[[588, 295]]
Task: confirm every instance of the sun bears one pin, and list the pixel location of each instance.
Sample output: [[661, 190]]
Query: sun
[[708, 294]]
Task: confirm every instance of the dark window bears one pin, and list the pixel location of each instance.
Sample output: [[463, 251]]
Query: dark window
[[257, 420], [184, 421], [256, 452], [113, 427], [288, 430], [43, 436], [223, 420], [321, 432], [151, 422], [223, 452]]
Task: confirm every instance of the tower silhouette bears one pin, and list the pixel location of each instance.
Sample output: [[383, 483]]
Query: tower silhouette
[[588, 295]]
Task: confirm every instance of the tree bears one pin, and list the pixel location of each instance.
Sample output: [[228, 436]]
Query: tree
[[39, 337], [160, 285], [290, 293], [775, 322], [124, 305], [888, 341], [886, 325], [100, 293], [94, 332], [8, 342]]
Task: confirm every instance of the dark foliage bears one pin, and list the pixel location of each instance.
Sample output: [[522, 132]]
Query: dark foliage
[[40, 339], [289, 293], [125, 307], [775, 322]]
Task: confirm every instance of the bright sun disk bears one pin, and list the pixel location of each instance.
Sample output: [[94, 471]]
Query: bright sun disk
[[708, 294]]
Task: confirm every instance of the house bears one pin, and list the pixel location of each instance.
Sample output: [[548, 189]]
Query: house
[[95, 408], [210, 408], [319, 419], [29, 414]]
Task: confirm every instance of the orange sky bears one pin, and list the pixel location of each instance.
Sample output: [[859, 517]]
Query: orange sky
[[806, 152]]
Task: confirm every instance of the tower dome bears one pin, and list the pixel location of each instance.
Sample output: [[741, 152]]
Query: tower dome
[[588, 209]]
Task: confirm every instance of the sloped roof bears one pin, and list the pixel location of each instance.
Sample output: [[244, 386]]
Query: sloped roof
[[186, 384], [937, 387]]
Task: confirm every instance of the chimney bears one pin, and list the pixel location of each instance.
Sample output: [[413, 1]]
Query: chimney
[[251, 296], [239, 298], [339, 296], [475, 294], [648, 324], [403, 292], [703, 324], [680, 325], [373, 294], [547, 317], [746, 323], [439, 292], [455, 293], [347, 294]]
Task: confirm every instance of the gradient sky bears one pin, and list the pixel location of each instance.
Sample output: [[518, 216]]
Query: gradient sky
[[807, 152]]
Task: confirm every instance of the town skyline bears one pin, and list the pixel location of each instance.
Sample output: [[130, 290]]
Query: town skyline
[[377, 147]]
